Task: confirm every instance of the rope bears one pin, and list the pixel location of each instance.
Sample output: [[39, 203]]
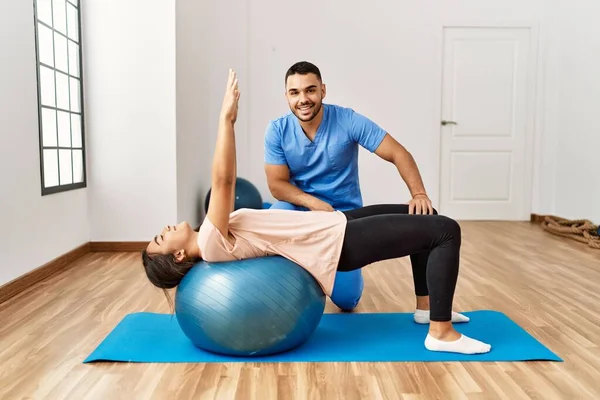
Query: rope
[[581, 230]]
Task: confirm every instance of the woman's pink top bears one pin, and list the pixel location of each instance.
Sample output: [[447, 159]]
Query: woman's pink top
[[312, 239]]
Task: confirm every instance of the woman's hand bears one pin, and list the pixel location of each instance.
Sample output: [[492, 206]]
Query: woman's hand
[[230, 101]]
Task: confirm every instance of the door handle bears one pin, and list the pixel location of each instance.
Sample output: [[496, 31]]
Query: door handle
[[448, 123]]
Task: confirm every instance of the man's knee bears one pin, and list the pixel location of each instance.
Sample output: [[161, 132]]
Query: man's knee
[[284, 205], [348, 289]]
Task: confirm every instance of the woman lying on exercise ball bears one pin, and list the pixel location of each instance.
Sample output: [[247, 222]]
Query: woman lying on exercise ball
[[322, 242]]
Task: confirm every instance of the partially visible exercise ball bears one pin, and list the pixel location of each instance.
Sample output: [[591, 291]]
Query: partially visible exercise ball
[[250, 307], [246, 196]]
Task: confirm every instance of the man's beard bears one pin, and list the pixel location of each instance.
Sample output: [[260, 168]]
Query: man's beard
[[310, 117]]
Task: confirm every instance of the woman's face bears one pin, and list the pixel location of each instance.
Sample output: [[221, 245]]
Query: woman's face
[[173, 239]]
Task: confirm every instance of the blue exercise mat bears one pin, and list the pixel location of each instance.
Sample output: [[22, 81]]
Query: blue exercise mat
[[360, 337]]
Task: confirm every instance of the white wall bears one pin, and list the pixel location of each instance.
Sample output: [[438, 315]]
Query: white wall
[[228, 46], [547, 110], [205, 52], [129, 67], [577, 185], [199, 43], [35, 229], [192, 21]]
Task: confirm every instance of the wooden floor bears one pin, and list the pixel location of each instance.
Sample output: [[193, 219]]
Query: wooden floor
[[548, 285]]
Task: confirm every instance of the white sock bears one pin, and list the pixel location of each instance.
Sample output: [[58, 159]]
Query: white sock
[[422, 317], [463, 345]]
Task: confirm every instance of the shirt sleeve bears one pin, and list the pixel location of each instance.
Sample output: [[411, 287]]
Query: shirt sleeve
[[273, 151], [213, 246], [366, 132]]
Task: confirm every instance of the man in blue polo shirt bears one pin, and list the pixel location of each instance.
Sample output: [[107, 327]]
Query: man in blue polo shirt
[[311, 160]]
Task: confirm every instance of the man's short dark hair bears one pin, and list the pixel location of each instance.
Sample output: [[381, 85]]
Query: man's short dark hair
[[303, 68]]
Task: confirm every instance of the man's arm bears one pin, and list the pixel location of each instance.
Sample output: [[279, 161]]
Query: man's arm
[[278, 179], [392, 151], [375, 139], [278, 175]]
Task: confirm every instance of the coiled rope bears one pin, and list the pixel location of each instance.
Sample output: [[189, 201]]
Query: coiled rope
[[581, 230]]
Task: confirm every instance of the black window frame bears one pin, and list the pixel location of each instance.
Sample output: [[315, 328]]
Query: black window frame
[[69, 186]]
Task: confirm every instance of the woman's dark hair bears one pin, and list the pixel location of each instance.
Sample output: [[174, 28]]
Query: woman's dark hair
[[164, 272]]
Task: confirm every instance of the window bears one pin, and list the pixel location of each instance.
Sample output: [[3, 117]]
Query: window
[[60, 95]]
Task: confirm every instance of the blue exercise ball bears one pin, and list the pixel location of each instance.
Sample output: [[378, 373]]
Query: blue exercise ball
[[246, 196], [252, 307]]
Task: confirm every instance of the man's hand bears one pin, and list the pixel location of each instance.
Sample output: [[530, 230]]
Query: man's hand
[[278, 179], [420, 204], [320, 205]]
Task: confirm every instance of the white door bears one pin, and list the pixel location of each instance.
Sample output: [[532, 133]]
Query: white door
[[486, 123]]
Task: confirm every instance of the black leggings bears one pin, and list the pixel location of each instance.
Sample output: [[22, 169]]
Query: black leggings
[[387, 231]]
